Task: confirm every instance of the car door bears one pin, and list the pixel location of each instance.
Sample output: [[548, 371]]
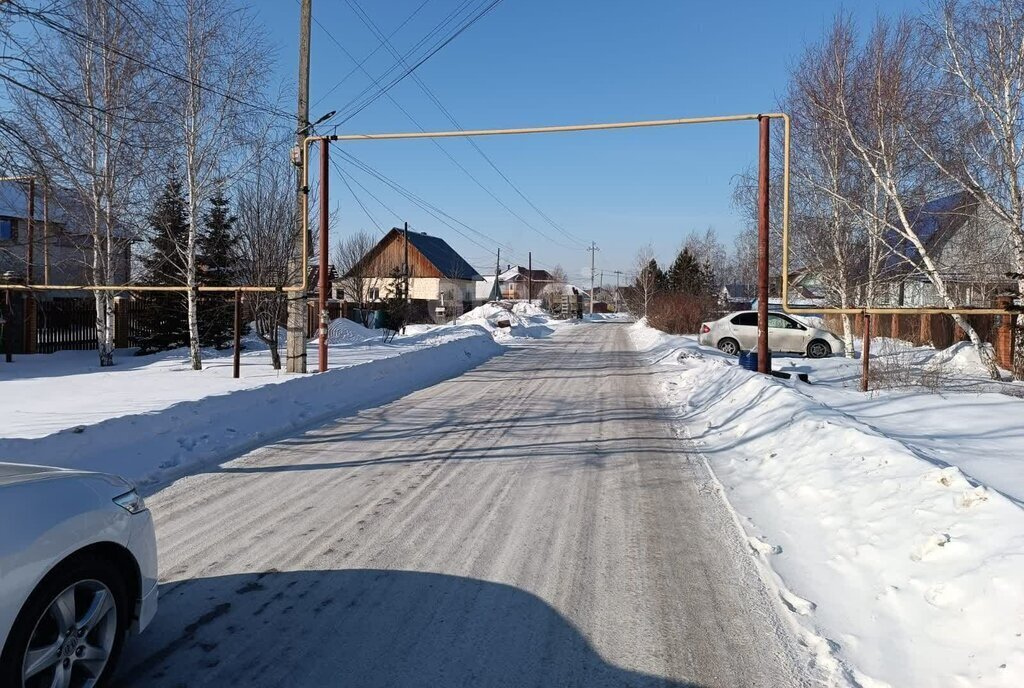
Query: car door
[[785, 334], [743, 327]]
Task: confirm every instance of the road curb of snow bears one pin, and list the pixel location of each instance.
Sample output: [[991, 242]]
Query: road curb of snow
[[153, 447], [895, 571]]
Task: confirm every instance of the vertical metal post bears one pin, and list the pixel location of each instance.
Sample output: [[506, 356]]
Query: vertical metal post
[[325, 318], [46, 233], [593, 253], [30, 259], [763, 365], [7, 315], [405, 275], [236, 359], [529, 276], [865, 354]]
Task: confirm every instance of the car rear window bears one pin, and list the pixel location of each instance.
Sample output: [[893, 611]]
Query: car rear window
[[745, 319]]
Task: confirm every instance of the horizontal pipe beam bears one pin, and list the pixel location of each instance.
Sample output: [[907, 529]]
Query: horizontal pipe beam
[[544, 130], [140, 287], [812, 310]]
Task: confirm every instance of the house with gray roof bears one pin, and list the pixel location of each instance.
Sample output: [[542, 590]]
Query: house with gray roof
[[971, 250], [438, 275]]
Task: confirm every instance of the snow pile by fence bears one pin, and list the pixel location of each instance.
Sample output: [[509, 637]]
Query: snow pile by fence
[[897, 568], [524, 320], [150, 418]]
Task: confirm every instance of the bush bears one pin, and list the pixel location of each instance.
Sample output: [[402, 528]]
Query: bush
[[678, 313]]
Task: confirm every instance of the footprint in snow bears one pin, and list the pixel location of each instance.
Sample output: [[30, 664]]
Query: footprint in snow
[[932, 544]]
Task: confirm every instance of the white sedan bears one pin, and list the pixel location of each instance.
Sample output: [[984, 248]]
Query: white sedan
[[78, 570], [738, 331]]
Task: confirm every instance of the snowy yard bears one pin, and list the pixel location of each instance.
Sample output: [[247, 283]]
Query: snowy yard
[[891, 523], [150, 418]]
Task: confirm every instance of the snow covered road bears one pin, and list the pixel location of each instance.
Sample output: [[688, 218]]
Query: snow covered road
[[533, 522]]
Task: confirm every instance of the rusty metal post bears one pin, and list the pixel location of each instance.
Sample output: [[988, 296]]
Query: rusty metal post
[[7, 316], [529, 276], [763, 366], [325, 319], [236, 358], [865, 354], [30, 315]]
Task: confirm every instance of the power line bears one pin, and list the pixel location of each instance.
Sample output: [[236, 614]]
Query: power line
[[372, 26], [369, 55], [70, 32], [410, 69]]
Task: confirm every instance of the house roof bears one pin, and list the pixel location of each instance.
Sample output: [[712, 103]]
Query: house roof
[[932, 222], [64, 206], [517, 273], [434, 249], [740, 292]]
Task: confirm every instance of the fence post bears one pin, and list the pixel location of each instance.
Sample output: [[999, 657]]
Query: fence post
[[865, 355], [236, 356]]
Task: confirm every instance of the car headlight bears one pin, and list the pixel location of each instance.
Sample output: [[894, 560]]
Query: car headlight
[[131, 502]]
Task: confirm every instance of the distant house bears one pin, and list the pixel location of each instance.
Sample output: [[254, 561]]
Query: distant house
[[515, 282], [438, 276], [970, 248], [61, 247], [736, 297]]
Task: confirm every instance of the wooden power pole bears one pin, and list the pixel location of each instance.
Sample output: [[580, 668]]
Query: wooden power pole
[[295, 342]]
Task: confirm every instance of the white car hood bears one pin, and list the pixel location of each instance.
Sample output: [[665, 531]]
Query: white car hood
[[15, 473]]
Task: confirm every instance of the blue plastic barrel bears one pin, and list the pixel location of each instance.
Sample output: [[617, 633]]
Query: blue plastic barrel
[[748, 360]]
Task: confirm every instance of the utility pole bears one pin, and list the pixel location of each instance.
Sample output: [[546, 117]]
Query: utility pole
[[529, 276], [617, 273], [295, 342], [593, 252]]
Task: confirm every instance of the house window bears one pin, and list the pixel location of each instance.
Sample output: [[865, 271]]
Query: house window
[[8, 230], [374, 293]]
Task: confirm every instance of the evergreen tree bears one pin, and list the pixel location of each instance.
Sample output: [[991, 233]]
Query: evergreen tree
[[688, 276], [218, 267], [657, 276], [162, 321]]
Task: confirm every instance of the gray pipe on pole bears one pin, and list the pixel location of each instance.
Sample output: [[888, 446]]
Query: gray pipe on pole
[[763, 365]]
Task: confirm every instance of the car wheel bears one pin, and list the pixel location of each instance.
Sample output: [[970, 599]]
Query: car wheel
[[71, 630], [729, 346], [818, 349]]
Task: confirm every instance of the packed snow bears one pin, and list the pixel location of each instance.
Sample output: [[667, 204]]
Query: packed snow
[[151, 418], [891, 523]]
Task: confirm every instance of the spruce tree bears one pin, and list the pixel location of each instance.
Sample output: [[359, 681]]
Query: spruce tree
[[162, 322], [688, 276], [218, 267]]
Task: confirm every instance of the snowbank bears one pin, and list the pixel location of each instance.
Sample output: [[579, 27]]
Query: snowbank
[[149, 418], [898, 568], [525, 320]]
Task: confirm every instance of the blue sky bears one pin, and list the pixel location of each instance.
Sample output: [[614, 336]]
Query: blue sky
[[538, 62]]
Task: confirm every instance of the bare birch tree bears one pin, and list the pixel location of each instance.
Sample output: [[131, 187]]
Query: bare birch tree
[[887, 105], [90, 130], [354, 275], [221, 58], [979, 48]]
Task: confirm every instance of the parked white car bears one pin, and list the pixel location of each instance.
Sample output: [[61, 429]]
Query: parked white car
[[738, 332], [78, 570]]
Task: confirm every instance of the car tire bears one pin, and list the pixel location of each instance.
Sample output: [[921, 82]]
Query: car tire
[[729, 346], [819, 348], [36, 624]]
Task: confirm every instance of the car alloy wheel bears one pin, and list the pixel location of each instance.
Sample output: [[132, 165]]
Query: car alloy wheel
[[73, 638], [729, 347], [818, 350]]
